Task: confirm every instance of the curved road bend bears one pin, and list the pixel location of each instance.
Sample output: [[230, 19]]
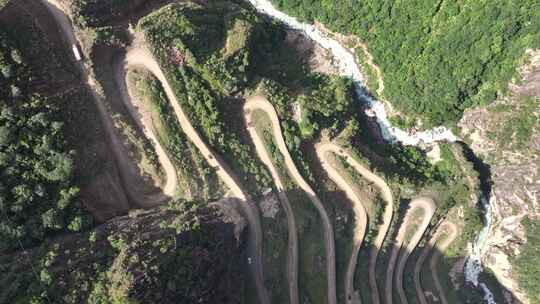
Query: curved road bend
[[292, 255], [144, 58], [450, 230], [386, 194], [259, 102], [428, 206], [433, 264], [361, 220], [135, 187], [144, 122]]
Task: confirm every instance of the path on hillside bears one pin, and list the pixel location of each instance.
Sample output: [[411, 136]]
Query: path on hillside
[[427, 205], [144, 121], [361, 222], [137, 189], [452, 231], [260, 103], [141, 57], [386, 194], [448, 229], [292, 252], [144, 58]]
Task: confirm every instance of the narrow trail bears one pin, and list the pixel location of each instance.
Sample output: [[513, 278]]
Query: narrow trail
[[136, 188], [260, 103], [292, 251], [386, 194], [361, 220], [435, 258], [450, 230], [144, 122], [428, 206], [141, 57]]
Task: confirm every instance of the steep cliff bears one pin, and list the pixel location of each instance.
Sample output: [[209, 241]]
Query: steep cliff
[[506, 134]]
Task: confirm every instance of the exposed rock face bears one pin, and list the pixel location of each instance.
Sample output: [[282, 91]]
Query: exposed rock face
[[500, 134], [183, 253]]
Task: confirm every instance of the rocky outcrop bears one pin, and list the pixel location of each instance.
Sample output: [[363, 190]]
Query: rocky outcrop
[[506, 135]]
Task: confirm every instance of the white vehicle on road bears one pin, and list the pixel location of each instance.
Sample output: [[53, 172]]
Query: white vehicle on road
[[76, 52]]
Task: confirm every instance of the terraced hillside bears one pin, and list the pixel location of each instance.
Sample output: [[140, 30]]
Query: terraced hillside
[[212, 119]]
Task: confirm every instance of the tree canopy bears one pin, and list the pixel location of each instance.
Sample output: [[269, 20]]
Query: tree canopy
[[438, 58]]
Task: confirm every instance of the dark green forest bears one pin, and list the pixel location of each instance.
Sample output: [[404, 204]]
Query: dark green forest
[[438, 58], [37, 195]]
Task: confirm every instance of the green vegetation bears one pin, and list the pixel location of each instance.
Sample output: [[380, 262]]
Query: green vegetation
[[437, 58], [203, 78], [37, 194], [527, 264], [146, 257], [515, 123], [312, 280], [196, 177]]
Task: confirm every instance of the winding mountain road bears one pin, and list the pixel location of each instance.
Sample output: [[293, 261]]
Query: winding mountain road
[[142, 57], [144, 121], [450, 230], [138, 190], [435, 258], [386, 194], [427, 205], [260, 103], [292, 254], [361, 220]]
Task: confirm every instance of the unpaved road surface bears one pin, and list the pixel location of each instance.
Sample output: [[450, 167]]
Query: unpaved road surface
[[142, 57], [428, 206], [451, 231], [361, 220], [292, 251], [447, 230], [144, 122], [386, 194], [260, 103], [138, 190]]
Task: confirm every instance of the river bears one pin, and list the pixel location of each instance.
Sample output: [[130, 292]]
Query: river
[[346, 64]]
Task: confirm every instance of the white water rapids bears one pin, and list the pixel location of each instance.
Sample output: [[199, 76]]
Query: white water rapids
[[347, 66]]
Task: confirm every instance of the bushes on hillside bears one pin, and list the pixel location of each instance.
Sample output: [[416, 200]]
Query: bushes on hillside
[[37, 195], [437, 58]]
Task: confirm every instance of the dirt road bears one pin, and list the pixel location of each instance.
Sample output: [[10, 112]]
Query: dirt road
[[292, 251], [144, 58], [451, 231], [361, 220], [386, 194], [139, 191], [260, 103], [448, 229], [144, 122], [141, 57], [428, 206]]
